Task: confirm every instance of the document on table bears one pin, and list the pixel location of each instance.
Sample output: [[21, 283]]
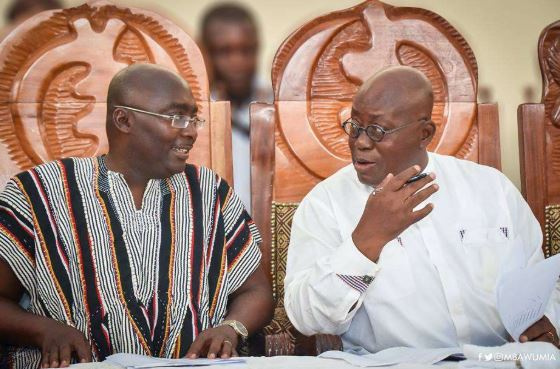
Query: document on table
[[522, 294], [130, 361], [394, 356]]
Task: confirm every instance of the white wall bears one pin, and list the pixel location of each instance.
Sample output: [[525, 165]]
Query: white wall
[[502, 33]]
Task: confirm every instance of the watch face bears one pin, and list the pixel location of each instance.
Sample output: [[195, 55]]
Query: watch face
[[240, 328]]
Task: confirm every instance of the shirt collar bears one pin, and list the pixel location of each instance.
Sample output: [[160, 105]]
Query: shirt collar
[[430, 166]]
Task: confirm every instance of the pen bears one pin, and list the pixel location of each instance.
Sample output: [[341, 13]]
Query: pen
[[416, 178]]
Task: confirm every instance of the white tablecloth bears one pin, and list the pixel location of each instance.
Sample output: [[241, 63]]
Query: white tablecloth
[[531, 355], [285, 362]]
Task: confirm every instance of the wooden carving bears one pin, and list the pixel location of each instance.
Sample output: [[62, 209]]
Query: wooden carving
[[549, 58], [318, 69], [55, 69], [539, 142]]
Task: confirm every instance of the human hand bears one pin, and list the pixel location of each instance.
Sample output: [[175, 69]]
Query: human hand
[[389, 210], [58, 341], [214, 342], [542, 330]]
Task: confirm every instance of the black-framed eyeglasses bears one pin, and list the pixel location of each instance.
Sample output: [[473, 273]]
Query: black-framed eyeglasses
[[375, 132], [177, 121]]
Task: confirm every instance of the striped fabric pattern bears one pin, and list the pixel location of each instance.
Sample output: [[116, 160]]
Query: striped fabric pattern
[[359, 283], [142, 281]]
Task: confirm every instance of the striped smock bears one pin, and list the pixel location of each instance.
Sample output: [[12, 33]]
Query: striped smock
[[142, 281]]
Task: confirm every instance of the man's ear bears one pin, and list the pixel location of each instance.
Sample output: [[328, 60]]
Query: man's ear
[[428, 132], [121, 120]]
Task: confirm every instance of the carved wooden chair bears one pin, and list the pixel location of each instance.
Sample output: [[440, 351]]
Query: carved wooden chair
[[297, 141], [55, 69], [539, 143]]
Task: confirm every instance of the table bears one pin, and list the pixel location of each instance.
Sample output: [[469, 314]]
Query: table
[[285, 362]]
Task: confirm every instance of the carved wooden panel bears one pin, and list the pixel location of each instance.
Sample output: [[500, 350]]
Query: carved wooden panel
[[55, 69], [318, 69], [549, 58]]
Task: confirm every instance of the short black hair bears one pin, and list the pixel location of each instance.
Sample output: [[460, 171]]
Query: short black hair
[[19, 7], [227, 12]]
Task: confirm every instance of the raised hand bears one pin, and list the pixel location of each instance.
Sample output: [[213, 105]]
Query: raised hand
[[389, 210]]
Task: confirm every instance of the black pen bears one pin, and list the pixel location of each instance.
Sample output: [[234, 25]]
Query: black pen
[[416, 178]]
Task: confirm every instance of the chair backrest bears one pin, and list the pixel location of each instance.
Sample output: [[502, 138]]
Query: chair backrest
[[316, 73], [539, 143], [55, 69]]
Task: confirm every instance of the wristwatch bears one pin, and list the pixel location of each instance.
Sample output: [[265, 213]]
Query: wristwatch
[[237, 326]]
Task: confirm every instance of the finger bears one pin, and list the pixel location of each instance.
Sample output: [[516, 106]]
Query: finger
[[53, 357], [536, 330], [420, 196], [411, 188], [65, 355], [234, 353], [420, 214], [227, 349], [385, 181], [547, 336], [400, 179], [195, 350], [83, 351], [215, 347], [45, 358]]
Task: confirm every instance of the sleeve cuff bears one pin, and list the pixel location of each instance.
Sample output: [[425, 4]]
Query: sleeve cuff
[[359, 283], [348, 261]]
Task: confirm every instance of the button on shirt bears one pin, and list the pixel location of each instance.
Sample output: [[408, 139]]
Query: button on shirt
[[434, 285]]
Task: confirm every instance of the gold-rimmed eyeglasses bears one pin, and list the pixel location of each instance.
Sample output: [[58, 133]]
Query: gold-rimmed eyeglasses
[[177, 121]]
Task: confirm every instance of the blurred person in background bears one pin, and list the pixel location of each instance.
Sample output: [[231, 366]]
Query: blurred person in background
[[20, 10], [229, 35]]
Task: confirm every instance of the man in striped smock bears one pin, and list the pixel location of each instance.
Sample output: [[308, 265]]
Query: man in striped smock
[[133, 251]]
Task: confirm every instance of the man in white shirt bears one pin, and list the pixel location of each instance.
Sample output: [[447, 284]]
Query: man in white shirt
[[385, 263]]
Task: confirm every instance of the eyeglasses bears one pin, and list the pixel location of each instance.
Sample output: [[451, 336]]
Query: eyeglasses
[[177, 121], [373, 131]]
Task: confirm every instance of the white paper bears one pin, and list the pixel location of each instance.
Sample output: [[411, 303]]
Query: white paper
[[131, 361], [394, 356], [522, 294]]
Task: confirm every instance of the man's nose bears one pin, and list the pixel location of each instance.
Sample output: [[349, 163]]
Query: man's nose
[[189, 131], [363, 142]]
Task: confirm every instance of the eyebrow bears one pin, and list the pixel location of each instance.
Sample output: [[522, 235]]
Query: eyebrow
[[370, 116], [372, 119], [192, 109]]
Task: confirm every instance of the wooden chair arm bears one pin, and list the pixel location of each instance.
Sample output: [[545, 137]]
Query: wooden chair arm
[[316, 344], [293, 343]]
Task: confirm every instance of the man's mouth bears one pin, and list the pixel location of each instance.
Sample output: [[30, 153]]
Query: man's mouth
[[182, 151], [362, 163]]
